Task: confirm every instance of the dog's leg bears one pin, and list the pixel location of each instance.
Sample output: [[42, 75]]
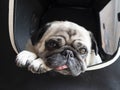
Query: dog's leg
[[28, 59], [38, 66], [24, 58]]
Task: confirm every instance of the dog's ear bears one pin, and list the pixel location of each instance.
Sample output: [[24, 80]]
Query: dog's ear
[[94, 43], [37, 35]]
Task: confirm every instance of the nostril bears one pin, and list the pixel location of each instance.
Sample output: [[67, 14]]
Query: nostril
[[64, 53], [71, 54], [67, 53]]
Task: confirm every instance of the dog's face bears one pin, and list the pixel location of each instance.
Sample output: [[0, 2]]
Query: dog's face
[[65, 47]]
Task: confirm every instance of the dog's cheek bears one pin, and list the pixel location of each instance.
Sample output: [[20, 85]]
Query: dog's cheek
[[74, 66], [39, 48], [87, 60]]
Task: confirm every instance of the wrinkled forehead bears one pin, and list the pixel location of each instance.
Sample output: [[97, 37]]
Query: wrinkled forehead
[[65, 25], [68, 28], [70, 32]]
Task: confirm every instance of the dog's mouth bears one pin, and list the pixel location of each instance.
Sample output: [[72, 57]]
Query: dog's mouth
[[63, 70], [66, 62], [70, 70], [59, 68], [72, 67]]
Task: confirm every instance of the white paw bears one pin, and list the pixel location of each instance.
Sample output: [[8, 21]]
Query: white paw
[[38, 66], [25, 58]]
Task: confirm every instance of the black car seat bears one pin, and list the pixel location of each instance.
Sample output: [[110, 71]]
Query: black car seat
[[28, 17]]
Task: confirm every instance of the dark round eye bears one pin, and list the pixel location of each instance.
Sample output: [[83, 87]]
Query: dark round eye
[[51, 44], [82, 50]]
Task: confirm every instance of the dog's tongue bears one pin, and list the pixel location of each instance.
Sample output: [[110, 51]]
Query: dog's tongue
[[61, 67]]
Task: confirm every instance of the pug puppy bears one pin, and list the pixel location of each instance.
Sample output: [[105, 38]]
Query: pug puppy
[[62, 46]]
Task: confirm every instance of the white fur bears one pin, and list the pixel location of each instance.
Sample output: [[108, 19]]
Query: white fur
[[37, 65], [93, 59], [25, 58]]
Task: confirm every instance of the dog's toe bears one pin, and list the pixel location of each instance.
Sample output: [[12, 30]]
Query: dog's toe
[[38, 66], [34, 66], [25, 58]]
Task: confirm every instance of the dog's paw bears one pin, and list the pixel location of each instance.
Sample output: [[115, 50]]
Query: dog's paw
[[38, 66], [25, 58]]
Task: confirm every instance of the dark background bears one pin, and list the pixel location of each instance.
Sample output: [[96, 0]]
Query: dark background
[[14, 78]]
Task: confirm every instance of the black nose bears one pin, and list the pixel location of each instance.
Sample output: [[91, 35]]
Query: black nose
[[68, 53]]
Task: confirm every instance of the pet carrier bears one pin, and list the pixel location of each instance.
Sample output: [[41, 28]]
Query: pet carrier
[[102, 17]]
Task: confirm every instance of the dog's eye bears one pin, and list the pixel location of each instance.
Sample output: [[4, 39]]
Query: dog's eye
[[82, 50], [51, 44]]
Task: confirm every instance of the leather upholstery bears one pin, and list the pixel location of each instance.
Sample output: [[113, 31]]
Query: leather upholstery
[[14, 78]]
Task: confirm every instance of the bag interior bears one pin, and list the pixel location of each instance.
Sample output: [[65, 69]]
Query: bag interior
[[29, 17]]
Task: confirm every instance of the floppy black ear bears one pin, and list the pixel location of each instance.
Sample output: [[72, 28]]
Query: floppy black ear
[[37, 35], [94, 43]]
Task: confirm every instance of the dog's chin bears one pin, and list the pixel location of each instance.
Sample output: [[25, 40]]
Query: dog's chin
[[70, 71], [66, 63], [74, 68], [64, 72]]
